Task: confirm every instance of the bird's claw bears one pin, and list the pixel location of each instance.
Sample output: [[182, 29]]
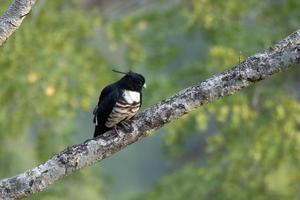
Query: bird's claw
[[126, 125], [116, 130]]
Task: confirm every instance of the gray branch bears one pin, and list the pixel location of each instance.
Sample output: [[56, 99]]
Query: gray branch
[[284, 54], [13, 17]]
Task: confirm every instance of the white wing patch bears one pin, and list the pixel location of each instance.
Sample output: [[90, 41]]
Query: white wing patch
[[131, 96], [124, 109]]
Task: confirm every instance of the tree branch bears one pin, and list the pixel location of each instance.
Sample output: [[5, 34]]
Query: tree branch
[[257, 67], [13, 17]]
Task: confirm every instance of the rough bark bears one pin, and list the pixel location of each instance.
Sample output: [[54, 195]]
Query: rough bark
[[13, 17], [284, 54]]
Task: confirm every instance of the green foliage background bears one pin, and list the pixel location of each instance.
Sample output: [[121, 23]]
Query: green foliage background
[[53, 68]]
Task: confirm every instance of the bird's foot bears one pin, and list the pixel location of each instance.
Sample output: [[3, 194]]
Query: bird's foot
[[126, 125], [116, 130]]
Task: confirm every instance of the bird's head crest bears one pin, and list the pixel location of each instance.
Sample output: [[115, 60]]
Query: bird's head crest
[[117, 71], [132, 80]]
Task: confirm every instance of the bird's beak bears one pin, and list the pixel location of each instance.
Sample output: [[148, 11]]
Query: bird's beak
[[144, 86]]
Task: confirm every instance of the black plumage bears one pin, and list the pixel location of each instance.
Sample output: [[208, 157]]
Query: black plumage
[[118, 102]]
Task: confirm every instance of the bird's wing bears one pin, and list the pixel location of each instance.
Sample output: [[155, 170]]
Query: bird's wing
[[107, 101], [141, 98], [108, 89]]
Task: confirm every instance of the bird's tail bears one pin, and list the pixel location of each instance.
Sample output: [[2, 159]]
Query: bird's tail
[[99, 130]]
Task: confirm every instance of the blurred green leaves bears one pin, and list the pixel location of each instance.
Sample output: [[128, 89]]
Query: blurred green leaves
[[252, 150], [49, 71]]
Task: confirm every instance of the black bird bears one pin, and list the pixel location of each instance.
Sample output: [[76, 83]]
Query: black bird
[[118, 102]]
